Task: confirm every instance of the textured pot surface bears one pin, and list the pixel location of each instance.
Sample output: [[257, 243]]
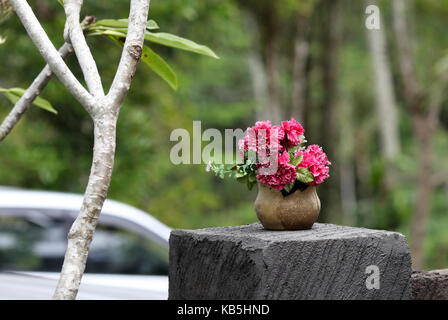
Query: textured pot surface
[[297, 211]]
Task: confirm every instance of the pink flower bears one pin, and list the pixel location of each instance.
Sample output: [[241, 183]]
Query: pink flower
[[259, 139], [316, 161], [285, 174], [283, 158], [262, 125], [280, 132], [293, 130], [263, 132]]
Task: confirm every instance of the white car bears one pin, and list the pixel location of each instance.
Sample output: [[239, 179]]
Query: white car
[[128, 258]]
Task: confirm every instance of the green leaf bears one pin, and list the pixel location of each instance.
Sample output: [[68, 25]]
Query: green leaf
[[304, 175], [289, 187], [108, 32], [152, 25], [122, 23], [156, 64], [14, 94], [240, 175], [297, 160], [250, 184], [112, 23], [159, 66], [242, 179], [293, 150], [252, 178], [171, 40], [117, 30], [12, 97]]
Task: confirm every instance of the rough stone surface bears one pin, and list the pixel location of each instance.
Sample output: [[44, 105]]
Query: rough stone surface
[[430, 285], [326, 262]]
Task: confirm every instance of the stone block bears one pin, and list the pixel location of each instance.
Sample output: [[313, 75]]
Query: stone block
[[326, 262], [430, 285]]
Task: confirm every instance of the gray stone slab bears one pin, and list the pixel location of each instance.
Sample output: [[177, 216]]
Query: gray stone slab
[[430, 285], [326, 262]]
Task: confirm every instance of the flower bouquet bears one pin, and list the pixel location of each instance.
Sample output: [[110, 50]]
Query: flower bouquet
[[287, 173]]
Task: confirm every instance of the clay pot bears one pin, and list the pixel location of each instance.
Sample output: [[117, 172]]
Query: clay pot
[[297, 211]]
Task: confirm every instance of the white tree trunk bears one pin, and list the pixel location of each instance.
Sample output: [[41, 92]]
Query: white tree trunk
[[82, 230], [259, 83], [257, 70], [384, 92], [273, 78], [424, 124], [346, 152], [105, 116], [299, 73], [104, 111]]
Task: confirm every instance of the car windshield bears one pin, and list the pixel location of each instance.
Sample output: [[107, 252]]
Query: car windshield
[[37, 242]]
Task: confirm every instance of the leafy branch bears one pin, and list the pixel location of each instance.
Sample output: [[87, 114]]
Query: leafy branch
[[14, 95], [244, 173], [116, 30]]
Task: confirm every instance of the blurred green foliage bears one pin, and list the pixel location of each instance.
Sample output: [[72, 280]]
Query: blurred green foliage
[[53, 152]]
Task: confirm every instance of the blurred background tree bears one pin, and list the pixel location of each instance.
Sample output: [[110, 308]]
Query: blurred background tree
[[311, 59]]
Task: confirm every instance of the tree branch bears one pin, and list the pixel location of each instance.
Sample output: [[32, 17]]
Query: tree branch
[[51, 55], [30, 94], [132, 51], [104, 117], [385, 102], [73, 34], [300, 59], [412, 91], [81, 233], [35, 88]]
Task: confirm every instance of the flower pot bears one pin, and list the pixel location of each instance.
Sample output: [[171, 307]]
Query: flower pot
[[296, 211]]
